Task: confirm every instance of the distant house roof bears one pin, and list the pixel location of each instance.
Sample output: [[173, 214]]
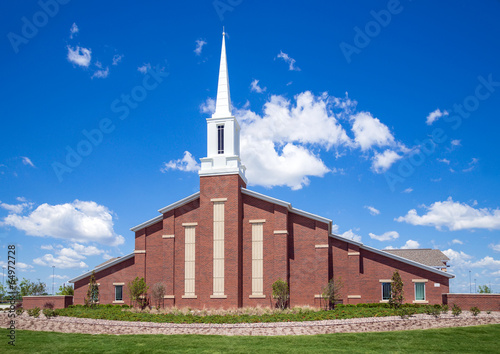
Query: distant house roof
[[427, 256]]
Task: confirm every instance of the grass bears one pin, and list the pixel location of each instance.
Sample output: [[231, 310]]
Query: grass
[[114, 312], [478, 339]]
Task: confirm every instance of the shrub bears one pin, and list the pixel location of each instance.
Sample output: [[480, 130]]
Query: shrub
[[49, 313], [456, 310], [281, 293], [48, 305], [34, 312], [405, 312], [19, 311], [331, 292], [444, 309], [433, 311], [138, 289], [92, 297], [397, 292], [475, 310], [158, 291]]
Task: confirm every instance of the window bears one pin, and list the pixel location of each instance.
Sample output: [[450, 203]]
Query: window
[[118, 292], [220, 139], [419, 291], [386, 291]]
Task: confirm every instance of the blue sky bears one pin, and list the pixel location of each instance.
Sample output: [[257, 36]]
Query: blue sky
[[381, 116]]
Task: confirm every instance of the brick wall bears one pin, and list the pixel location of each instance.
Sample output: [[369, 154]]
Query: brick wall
[[58, 301], [485, 302]]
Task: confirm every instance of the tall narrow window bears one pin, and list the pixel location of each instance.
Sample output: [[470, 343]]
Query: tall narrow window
[[189, 260], [218, 280], [386, 291], [258, 258], [118, 292], [220, 139], [420, 291]]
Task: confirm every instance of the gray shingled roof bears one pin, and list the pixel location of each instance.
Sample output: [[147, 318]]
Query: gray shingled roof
[[427, 256]]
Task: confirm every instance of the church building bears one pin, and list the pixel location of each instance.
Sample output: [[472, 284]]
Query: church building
[[225, 245]]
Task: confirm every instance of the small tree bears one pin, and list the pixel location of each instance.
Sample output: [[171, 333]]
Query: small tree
[[158, 291], [331, 292], [66, 290], [281, 293], [485, 289], [30, 288], [138, 290], [92, 297], [397, 298]]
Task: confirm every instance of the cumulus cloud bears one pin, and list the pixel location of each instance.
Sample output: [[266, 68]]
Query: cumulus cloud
[[462, 262], [372, 210], [494, 247], [290, 61], [60, 262], [386, 236], [187, 164], [434, 116], [23, 267], [456, 142], [73, 30], [79, 56], [408, 190], [144, 68], [69, 257], [16, 208], [369, 131], [411, 244], [208, 107], [445, 161], [79, 221], [350, 235], [117, 58], [199, 46], [383, 161], [27, 161], [457, 242], [100, 74], [254, 87], [455, 216]]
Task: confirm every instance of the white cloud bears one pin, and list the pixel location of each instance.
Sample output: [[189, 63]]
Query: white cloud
[[69, 257], [411, 244], [408, 190], [372, 210], [23, 267], [101, 74], [290, 61], [386, 236], [199, 46], [47, 247], [60, 262], [79, 56], [254, 87], [369, 131], [27, 161], [495, 248], [457, 242], [208, 107], [455, 142], [382, 162], [472, 165], [463, 262], [455, 216], [79, 221], [446, 161], [144, 68], [434, 116], [351, 236], [73, 30], [56, 276], [187, 164], [16, 208], [117, 58], [21, 199]]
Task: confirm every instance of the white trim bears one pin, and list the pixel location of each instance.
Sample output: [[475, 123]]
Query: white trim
[[321, 246], [118, 284], [281, 232], [218, 200], [188, 224], [180, 203], [384, 301], [118, 302], [311, 216], [218, 296], [169, 296], [419, 280], [257, 221], [105, 266], [354, 296], [420, 301], [189, 296], [140, 251], [257, 296], [393, 256], [385, 280], [147, 223], [167, 236], [473, 294], [353, 253], [318, 296]]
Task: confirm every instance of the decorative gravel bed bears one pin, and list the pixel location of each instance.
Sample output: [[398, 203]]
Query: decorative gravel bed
[[369, 324]]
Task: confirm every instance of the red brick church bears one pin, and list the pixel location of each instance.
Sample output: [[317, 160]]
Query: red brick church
[[225, 245]]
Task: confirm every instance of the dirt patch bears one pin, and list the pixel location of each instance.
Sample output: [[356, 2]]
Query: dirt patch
[[91, 326]]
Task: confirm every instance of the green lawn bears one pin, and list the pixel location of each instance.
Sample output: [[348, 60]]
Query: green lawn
[[478, 339]]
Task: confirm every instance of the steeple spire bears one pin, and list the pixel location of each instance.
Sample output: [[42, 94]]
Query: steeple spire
[[223, 105]]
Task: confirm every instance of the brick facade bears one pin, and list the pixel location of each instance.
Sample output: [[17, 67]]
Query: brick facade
[[485, 302], [297, 247], [57, 301]]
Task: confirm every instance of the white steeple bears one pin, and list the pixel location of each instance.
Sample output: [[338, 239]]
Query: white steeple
[[223, 131]]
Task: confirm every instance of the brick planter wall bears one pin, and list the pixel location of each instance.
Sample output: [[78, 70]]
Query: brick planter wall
[[485, 302], [59, 301]]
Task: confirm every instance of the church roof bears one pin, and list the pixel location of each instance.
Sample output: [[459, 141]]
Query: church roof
[[427, 256], [102, 266]]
